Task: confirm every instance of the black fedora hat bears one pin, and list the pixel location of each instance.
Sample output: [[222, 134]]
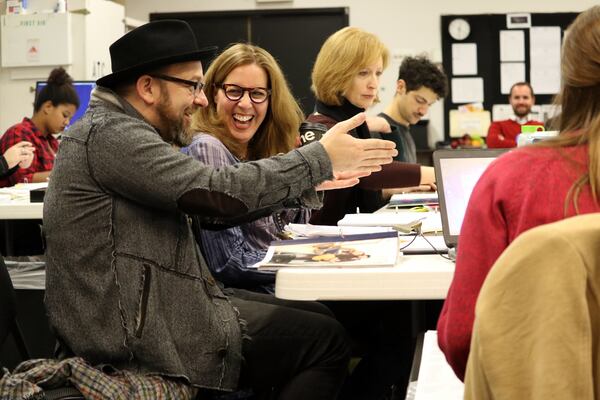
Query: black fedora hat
[[150, 46]]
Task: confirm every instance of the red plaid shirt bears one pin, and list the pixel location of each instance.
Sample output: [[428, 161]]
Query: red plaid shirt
[[45, 150]]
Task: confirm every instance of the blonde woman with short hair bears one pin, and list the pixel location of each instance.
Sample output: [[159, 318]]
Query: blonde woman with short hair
[[345, 81]]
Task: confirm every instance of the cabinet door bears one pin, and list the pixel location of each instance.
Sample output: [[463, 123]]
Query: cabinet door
[[295, 40], [36, 40]]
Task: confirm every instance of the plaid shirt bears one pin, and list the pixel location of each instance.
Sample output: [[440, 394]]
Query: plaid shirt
[[29, 379], [45, 150]]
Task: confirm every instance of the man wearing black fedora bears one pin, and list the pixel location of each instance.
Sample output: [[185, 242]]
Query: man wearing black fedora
[[125, 282]]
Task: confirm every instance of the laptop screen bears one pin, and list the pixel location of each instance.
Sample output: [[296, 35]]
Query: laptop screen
[[457, 172]]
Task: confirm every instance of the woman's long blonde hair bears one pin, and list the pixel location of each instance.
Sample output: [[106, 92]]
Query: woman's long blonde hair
[[341, 57], [278, 133], [579, 98]]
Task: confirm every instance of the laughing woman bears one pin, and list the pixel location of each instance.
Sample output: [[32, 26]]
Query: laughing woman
[[251, 114]]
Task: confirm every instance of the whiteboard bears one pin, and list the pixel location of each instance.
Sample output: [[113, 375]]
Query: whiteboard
[[36, 40]]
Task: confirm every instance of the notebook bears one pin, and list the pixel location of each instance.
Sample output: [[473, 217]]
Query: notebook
[[378, 249], [457, 172]]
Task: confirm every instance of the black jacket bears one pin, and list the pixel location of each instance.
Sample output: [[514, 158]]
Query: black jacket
[[4, 170]]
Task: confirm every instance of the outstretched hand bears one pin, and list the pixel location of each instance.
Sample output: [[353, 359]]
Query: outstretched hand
[[348, 153], [20, 153], [343, 180]]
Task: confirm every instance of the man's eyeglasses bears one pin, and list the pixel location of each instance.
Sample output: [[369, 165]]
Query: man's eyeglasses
[[195, 85], [235, 93]]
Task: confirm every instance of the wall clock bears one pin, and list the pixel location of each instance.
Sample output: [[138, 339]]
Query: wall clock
[[459, 29]]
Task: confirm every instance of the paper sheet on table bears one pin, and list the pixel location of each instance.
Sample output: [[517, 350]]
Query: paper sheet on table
[[20, 191], [433, 244], [436, 378], [308, 230], [430, 221]]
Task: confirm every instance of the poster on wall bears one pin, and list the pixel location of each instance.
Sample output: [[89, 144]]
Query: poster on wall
[[464, 59], [544, 52], [467, 90], [511, 73], [512, 46]]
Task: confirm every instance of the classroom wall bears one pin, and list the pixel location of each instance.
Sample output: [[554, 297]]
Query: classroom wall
[[91, 34], [407, 27], [16, 88]]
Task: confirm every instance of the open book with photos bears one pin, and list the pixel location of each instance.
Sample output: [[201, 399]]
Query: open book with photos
[[362, 250]]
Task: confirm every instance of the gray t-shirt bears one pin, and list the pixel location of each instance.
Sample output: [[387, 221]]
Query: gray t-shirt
[[400, 134]]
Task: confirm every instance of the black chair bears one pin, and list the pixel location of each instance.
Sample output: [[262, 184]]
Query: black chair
[[8, 312], [9, 325]]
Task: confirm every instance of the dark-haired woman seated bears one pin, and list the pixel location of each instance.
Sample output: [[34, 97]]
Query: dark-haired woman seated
[[53, 108]]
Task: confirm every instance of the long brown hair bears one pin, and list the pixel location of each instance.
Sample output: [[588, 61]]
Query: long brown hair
[[278, 133], [579, 98]]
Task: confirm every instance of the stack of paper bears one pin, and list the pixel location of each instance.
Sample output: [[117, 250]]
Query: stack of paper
[[20, 192], [430, 221], [430, 244], [297, 231]]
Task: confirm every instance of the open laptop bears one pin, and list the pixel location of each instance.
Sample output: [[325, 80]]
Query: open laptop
[[457, 172]]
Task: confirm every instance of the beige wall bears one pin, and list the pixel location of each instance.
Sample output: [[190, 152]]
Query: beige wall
[[407, 27], [91, 35]]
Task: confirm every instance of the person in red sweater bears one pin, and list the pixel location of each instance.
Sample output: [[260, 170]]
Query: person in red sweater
[[530, 186], [503, 134]]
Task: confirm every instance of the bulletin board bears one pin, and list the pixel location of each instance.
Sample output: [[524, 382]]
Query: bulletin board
[[492, 50], [35, 40]]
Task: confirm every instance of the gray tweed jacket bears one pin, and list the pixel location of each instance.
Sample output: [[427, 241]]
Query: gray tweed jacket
[[125, 282]]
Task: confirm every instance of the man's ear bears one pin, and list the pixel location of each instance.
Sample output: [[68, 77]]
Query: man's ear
[[401, 87], [146, 90]]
